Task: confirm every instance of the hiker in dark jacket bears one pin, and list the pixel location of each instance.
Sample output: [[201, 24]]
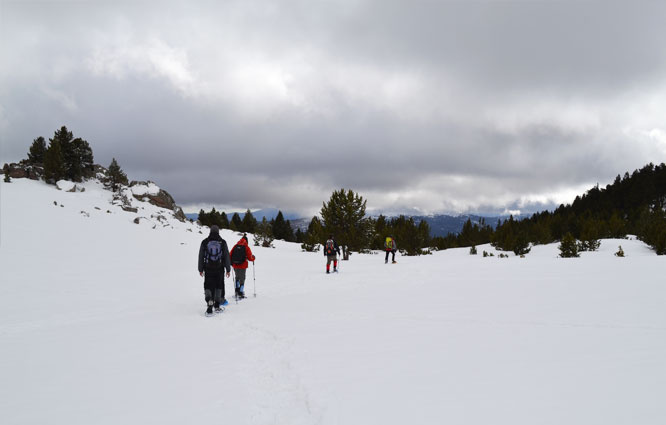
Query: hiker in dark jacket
[[331, 251], [213, 260], [240, 255]]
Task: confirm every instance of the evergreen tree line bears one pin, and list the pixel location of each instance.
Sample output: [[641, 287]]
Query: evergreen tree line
[[632, 204], [344, 217], [277, 228], [69, 158]]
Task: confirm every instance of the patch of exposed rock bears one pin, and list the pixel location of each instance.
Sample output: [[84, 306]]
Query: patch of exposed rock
[[156, 196], [24, 170]]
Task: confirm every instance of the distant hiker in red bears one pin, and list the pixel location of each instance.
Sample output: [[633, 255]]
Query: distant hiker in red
[[390, 246], [240, 255], [213, 260], [331, 250]]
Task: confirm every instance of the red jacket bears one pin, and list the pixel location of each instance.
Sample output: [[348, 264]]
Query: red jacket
[[248, 254]]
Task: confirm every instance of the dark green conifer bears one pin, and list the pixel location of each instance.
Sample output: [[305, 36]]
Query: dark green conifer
[[54, 163], [117, 176], [313, 236], [37, 151], [249, 224], [568, 246], [236, 223], [264, 234]]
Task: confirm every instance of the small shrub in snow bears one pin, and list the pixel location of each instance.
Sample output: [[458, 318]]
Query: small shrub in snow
[[309, 247], [472, 250], [589, 245], [620, 252]]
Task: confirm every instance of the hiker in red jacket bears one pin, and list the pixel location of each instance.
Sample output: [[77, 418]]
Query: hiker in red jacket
[[240, 255]]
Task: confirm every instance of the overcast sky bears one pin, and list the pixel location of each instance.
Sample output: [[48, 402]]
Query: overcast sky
[[434, 106]]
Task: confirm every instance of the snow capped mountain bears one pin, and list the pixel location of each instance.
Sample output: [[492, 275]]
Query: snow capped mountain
[[101, 321]]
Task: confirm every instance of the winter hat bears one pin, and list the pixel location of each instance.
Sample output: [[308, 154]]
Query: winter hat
[[214, 229]]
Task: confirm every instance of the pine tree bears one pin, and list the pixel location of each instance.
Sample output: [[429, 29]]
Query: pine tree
[[282, 229], [64, 138], [236, 223], [116, 175], [37, 151], [589, 235], [344, 216], [568, 246], [249, 223], [313, 236], [5, 171], [54, 163], [379, 233], [224, 221], [522, 244], [203, 217], [264, 234], [81, 163]]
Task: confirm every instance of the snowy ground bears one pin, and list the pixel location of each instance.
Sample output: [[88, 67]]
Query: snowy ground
[[101, 322]]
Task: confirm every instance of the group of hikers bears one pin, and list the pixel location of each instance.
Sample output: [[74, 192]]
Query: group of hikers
[[215, 259]]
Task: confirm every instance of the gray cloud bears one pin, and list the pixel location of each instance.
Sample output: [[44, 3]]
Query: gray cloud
[[438, 106]]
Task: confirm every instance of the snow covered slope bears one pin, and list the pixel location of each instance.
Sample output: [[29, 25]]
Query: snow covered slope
[[101, 322]]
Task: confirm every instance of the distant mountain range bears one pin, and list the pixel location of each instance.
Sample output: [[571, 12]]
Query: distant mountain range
[[442, 224]]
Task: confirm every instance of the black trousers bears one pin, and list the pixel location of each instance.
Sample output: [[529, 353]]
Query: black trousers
[[214, 285], [392, 258]]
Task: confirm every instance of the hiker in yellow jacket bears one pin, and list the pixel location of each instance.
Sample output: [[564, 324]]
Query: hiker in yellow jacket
[[390, 247]]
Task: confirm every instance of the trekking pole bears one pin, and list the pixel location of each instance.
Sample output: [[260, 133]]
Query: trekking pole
[[254, 279], [235, 289]]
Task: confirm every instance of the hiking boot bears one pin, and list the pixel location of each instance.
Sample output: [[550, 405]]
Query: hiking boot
[[219, 309], [209, 309], [241, 295], [224, 301], [328, 271], [216, 306]]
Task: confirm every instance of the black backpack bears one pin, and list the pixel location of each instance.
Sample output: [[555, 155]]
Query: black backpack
[[214, 255], [238, 255]]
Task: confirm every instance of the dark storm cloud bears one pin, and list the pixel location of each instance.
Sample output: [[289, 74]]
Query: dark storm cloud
[[437, 106]]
